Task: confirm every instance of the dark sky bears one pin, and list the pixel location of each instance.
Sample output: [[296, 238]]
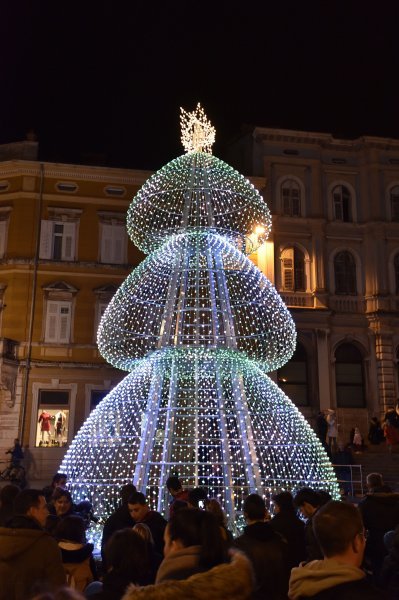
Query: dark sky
[[107, 78]]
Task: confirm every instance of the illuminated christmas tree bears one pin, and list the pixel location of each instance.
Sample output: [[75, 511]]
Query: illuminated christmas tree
[[198, 326]]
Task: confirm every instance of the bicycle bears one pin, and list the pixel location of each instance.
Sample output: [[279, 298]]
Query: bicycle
[[15, 474]]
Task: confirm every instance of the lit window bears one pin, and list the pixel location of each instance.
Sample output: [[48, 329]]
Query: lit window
[[293, 377], [293, 270], [291, 198], [349, 377], [52, 419], [58, 322], [394, 195], [57, 240], [342, 204], [345, 274]]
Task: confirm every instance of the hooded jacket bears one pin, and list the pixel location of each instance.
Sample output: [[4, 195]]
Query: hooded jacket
[[267, 552], [380, 513], [327, 580], [78, 563], [29, 557], [227, 581]]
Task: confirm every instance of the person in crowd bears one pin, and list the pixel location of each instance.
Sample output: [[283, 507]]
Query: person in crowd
[[380, 513], [119, 519], [290, 527], [357, 441], [322, 428], [59, 480], [141, 513], [61, 507], [332, 431], [391, 427], [227, 581], [193, 543], [155, 559], [64, 593], [342, 459], [29, 556], [266, 550], [175, 489], [213, 506], [339, 530], [389, 573], [7, 496], [308, 501], [196, 499], [376, 433], [77, 555], [128, 562]]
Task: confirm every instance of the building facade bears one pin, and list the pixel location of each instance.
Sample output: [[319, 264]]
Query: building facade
[[334, 258], [63, 253], [333, 255]]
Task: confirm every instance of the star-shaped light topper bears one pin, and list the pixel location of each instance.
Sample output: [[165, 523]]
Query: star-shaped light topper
[[197, 133]]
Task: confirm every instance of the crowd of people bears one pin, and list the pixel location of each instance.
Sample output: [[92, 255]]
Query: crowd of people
[[297, 546]]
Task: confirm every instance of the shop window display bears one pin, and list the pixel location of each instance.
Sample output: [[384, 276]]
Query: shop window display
[[52, 419]]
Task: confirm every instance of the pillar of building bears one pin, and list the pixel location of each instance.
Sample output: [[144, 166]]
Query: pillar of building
[[385, 370]]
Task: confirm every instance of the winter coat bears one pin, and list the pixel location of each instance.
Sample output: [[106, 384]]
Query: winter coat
[[380, 513], [227, 581], [78, 563], [292, 529], [29, 557], [157, 524], [120, 519], [313, 550], [328, 580], [267, 552], [180, 565]]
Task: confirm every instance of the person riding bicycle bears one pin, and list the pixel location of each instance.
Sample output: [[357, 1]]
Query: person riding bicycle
[[16, 454]]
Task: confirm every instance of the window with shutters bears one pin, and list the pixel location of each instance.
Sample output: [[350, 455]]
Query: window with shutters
[[349, 377], [291, 198], [345, 273], [293, 270], [293, 377], [3, 237], [342, 203], [394, 198], [58, 322], [113, 243], [57, 240]]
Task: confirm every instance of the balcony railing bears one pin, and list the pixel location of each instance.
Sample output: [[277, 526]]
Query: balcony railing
[[300, 299]]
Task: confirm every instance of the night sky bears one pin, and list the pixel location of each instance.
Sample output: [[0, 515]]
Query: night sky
[[103, 81]]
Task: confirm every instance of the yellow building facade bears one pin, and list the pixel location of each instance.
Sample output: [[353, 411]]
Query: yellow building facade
[[63, 253]]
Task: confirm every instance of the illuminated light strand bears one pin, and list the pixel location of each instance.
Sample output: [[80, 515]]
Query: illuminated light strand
[[198, 325]]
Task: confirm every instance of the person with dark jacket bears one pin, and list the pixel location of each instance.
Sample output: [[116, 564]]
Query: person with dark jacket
[[389, 573], [309, 501], [339, 530], [141, 513], [77, 555], [266, 550], [290, 527], [7, 496], [380, 513], [29, 557], [119, 519]]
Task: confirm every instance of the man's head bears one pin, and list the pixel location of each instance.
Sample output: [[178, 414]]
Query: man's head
[[374, 481], [59, 480], [32, 503], [174, 485], [308, 501], [16, 442], [254, 508], [138, 507], [339, 530], [126, 491]]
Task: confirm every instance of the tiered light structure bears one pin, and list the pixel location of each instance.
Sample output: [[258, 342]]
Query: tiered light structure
[[198, 326]]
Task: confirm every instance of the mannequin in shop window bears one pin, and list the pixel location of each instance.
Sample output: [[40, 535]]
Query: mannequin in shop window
[[60, 422], [45, 427]]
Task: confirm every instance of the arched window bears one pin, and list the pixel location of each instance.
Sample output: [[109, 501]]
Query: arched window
[[345, 273], [293, 377], [291, 198], [394, 196], [349, 377], [342, 204], [396, 270], [293, 275]]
